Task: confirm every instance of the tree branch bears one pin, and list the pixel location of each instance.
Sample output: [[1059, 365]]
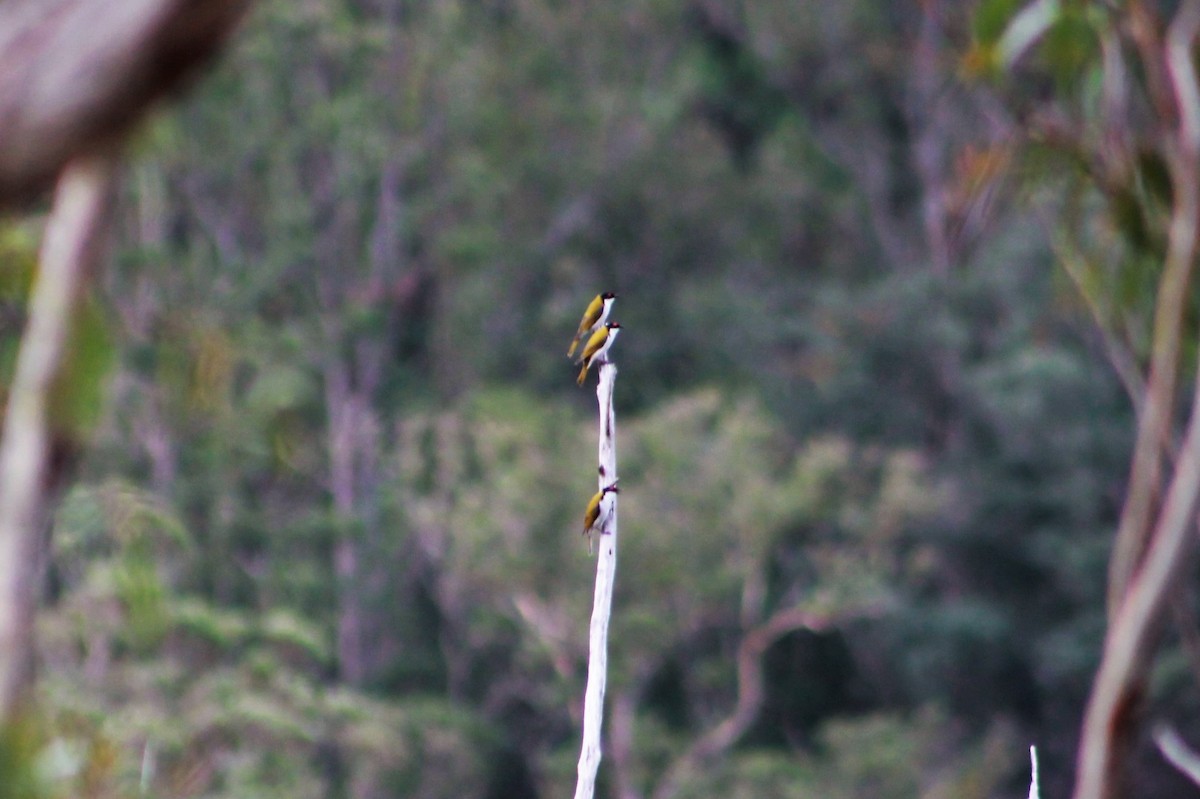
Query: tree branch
[[1177, 753], [1119, 355], [77, 75], [606, 568], [1153, 541], [1034, 789], [1154, 421], [1131, 636], [69, 249], [750, 692]]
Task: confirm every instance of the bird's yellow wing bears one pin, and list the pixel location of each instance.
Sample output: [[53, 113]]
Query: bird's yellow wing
[[593, 512], [594, 343], [590, 315]]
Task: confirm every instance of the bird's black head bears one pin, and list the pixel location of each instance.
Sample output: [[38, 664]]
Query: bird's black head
[[613, 325], [612, 489], [608, 295]]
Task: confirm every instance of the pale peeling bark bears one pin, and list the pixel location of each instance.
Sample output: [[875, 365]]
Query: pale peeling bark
[[76, 75], [69, 249], [606, 569]]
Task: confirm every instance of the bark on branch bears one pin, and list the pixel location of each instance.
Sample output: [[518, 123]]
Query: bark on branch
[[76, 75]]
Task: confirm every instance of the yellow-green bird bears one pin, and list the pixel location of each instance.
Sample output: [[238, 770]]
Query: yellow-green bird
[[596, 348], [593, 318], [591, 517]]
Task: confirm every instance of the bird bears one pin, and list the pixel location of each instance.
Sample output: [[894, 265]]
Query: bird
[[593, 318], [592, 516], [596, 348]]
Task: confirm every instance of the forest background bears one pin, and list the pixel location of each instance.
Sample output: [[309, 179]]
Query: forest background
[[877, 400]]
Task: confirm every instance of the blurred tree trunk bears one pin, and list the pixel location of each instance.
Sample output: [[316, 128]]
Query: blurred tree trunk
[[353, 431], [77, 75], [1154, 540], [1143, 170], [32, 452], [75, 78], [353, 370]]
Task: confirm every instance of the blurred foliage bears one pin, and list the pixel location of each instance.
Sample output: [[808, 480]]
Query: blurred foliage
[[337, 410], [879, 755], [18, 262]]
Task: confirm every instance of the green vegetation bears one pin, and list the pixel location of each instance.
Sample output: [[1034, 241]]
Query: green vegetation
[[324, 541]]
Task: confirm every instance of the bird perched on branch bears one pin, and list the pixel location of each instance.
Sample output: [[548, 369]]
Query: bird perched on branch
[[596, 348], [592, 518], [593, 319]]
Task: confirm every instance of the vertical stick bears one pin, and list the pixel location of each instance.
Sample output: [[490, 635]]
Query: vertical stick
[[606, 569], [68, 248], [1034, 789]]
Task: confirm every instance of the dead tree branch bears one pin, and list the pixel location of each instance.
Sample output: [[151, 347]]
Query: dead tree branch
[[606, 570]]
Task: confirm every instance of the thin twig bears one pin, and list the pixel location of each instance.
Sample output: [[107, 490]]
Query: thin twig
[[68, 249], [1119, 356], [1034, 791], [1177, 753], [606, 569]]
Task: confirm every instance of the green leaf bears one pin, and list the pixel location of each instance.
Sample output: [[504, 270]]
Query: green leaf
[[1070, 44], [991, 19], [143, 595], [77, 396]]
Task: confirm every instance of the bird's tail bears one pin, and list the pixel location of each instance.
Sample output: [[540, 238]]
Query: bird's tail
[[574, 344], [582, 375]]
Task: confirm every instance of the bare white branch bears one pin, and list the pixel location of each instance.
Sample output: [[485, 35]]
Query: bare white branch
[[1034, 792], [606, 570]]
